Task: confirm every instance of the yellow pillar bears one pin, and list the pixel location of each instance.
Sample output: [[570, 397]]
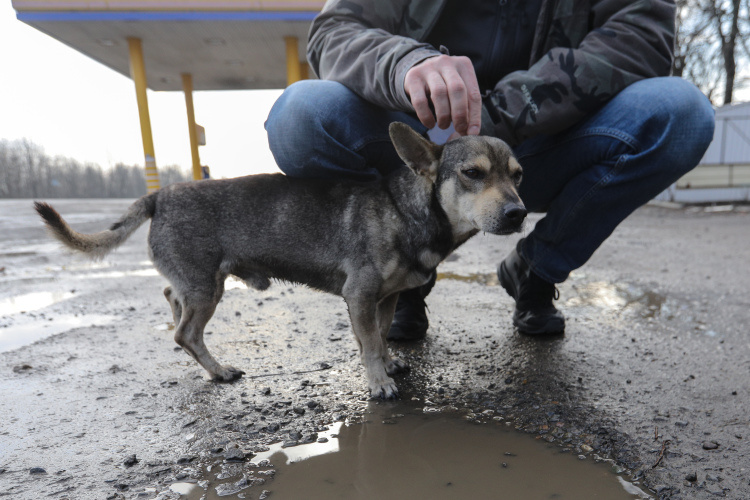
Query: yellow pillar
[[187, 88], [293, 67], [138, 74]]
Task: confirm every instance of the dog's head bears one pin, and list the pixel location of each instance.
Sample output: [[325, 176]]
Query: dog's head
[[476, 179]]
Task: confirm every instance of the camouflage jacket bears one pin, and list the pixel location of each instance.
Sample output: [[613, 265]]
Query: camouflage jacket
[[584, 52]]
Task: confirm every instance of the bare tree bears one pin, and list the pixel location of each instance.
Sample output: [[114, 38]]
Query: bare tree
[[7, 173], [27, 172], [10, 180], [711, 45], [172, 174], [726, 17]]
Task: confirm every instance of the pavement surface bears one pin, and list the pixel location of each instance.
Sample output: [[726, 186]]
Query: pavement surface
[[652, 373]]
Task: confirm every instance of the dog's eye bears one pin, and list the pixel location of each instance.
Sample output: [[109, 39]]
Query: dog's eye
[[473, 173], [517, 177]]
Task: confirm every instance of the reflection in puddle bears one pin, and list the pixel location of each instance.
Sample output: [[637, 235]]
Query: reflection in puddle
[[190, 490], [620, 297], [24, 332], [327, 443], [400, 452], [31, 302], [598, 294]]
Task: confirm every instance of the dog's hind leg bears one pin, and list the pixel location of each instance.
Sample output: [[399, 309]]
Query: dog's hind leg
[[196, 311], [174, 304], [386, 310], [363, 313]]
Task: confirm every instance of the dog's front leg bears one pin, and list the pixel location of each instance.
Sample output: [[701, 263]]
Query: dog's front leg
[[363, 313], [386, 310]]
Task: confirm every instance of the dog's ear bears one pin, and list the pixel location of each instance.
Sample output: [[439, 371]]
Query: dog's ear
[[419, 154]]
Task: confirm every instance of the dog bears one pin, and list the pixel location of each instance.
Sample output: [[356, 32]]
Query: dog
[[365, 242]]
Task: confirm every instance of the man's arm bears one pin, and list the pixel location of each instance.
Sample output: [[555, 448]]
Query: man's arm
[[362, 45], [629, 41], [359, 44]]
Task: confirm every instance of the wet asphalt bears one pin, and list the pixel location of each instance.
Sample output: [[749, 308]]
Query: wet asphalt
[[652, 372]]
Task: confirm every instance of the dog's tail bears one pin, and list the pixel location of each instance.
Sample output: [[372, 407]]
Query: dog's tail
[[98, 245]]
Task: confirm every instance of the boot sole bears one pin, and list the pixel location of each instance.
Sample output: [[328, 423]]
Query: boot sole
[[553, 325]]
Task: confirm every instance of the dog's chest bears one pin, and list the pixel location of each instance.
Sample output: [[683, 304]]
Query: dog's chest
[[416, 279], [429, 259], [401, 276]]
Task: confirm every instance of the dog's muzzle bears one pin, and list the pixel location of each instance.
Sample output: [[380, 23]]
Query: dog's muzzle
[[511, 219], [514, 213]]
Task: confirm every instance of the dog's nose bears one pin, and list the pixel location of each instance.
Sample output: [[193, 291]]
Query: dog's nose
[[514, 213]]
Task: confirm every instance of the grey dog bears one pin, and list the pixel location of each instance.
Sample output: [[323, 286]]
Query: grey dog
[[365, 242]]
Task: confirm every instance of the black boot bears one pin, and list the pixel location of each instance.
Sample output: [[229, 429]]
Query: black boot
[[410, 321], [535, 313]]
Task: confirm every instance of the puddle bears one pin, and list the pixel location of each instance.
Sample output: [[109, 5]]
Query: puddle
[[598, 294], [620, 297], [31, 302], [401, 453], [26, 331], [489, 279]]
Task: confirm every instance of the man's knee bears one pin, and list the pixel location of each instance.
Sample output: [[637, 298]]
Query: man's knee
[[692, 114], [304, 102], [299, 120], [683, 118]]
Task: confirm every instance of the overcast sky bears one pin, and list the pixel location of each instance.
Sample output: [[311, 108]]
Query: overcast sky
[[73, 106]]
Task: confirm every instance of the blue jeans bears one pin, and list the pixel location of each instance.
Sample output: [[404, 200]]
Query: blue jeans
[[587, 179]]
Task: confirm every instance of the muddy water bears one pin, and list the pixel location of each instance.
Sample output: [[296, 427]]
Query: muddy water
[[403, 452], [27, 330], [621, 297], [603, 295], [489, 279]]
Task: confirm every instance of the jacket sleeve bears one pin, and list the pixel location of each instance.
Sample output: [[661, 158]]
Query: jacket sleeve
[[621, 42], [359, 44]]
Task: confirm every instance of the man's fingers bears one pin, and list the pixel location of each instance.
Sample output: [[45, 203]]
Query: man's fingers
[[459, 108], [450, 85], [438, 93], [422, 105], [473, 97]]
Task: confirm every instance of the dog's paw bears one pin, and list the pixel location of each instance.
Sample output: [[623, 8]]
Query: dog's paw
[[395, 366], [227, 374], [386, 390]]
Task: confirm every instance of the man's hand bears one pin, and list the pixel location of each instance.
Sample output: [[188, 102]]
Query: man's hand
[[450, 83]]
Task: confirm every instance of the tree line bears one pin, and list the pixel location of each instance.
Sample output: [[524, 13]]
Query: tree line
[[27, 172]]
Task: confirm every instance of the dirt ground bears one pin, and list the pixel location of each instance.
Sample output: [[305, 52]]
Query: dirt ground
[[652, 371]]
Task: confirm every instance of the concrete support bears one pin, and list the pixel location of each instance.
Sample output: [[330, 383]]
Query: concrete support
[[138, 74], [187, 88], [293, 66]]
